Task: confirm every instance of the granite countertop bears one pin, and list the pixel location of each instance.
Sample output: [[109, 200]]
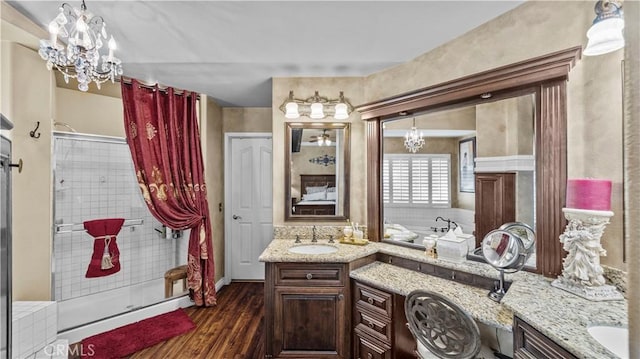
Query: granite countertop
[[560, 315], [404, 281]]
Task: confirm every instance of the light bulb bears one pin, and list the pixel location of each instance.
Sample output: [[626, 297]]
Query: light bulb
[[112, 43], [341, 112], [291, 110], [316, 110]]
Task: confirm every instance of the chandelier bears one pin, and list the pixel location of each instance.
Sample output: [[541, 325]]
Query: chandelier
[[413, 140], [80, 58], [605, 34], [316, 107], [323, 139]]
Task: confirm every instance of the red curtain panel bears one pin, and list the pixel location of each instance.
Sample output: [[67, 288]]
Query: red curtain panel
[[162, 133]]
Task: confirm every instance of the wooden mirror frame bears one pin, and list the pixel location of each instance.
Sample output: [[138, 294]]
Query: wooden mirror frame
[[346, 155], [546, 77]]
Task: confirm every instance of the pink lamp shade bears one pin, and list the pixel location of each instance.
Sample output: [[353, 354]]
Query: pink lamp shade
[[589, 194]]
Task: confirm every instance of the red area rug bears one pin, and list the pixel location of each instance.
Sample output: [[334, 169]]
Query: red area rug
[[126, 340]]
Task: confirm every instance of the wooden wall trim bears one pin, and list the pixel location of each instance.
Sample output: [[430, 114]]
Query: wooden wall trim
[[518, 75], [551, 174], [374, 198], [547, 75]]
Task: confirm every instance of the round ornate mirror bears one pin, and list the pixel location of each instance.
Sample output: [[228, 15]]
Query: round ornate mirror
[[509, 246], [507, 249]]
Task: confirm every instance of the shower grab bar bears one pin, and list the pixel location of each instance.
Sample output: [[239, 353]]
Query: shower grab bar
[[127, 223]]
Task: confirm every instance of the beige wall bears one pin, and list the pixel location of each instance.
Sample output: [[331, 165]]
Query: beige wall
[[254, 119], [31, 100], [213, 155], [632, 170], [330, 87], [534, 29], [505, 127], [89, 113]]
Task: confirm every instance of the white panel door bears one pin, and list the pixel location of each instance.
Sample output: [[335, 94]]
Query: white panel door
[[251, 206]]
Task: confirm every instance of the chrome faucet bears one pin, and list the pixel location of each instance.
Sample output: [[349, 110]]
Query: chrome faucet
[[448, 223], [313, 236]]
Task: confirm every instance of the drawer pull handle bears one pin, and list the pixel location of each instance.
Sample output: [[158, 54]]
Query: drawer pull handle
[[370, 324], [369, 356], [453, 275], [370, 300], [340, 296], [309, 275]]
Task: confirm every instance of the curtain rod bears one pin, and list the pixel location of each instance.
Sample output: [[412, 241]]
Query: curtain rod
[[163, 88]]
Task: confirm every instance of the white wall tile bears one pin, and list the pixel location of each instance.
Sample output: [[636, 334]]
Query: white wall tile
[[99, 182]]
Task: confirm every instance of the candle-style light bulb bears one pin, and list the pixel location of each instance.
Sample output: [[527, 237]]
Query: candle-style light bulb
[[53, 30], [112, 47]]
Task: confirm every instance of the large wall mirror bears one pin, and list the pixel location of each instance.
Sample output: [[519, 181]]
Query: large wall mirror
[[516, 113], [317, 171], [433, 190]]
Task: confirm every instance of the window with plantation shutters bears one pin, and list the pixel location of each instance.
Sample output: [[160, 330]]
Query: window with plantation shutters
[[423, 180]]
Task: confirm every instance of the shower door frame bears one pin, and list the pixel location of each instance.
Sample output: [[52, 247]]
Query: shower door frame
[[70, 136]]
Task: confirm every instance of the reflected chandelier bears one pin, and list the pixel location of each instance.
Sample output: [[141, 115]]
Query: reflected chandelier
[[80, 58], [413, 140], [316, 107], [605, 34]]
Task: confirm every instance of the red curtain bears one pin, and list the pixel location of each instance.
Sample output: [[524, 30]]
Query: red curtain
[[162, 133]]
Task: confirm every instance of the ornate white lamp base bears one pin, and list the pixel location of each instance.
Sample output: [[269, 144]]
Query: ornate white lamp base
[[582, 273]]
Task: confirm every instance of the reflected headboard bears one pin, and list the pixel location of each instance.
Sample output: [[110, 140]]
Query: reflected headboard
[[316, 181]]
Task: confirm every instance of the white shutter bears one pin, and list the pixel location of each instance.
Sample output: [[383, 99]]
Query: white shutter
[[420, 180], [423, 180], [400, 180], [440, 186]]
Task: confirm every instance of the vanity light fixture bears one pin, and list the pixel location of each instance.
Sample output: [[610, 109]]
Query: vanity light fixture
[[85, 35], [316, 107], [605, 34], [413, 140]]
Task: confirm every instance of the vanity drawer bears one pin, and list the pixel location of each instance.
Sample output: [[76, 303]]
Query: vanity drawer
[[315, 274], [372, 324], [373, 300], [369, 348]]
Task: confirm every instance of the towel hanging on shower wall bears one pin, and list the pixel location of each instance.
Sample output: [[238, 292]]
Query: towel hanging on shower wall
[[105, 259]]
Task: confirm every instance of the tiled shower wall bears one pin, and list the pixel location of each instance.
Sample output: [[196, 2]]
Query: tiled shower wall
[[94, 179]]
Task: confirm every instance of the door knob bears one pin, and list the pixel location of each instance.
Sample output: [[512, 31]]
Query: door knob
[[236, 217]]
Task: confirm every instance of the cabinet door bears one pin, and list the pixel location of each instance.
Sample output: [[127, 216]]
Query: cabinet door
[[495, 202], [309, 322], [367, 348], [531, 344]]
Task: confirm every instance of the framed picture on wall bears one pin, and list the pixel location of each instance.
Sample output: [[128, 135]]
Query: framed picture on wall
[[466, 164]]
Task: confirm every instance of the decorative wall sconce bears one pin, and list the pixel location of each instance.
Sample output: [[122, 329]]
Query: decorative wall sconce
[[605, 34], [316, 107]]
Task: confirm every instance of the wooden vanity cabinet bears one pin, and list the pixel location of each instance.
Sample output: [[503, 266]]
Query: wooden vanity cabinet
[[528, 343], [379, 325], [306, 310]]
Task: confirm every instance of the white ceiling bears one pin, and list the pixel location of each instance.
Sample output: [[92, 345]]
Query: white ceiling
[[230, 50]]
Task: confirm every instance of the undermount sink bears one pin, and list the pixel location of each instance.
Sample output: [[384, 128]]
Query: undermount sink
[[313, 249], [615, 339]]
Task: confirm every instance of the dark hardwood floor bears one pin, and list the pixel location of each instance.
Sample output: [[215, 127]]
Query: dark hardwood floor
[[234, 329]]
